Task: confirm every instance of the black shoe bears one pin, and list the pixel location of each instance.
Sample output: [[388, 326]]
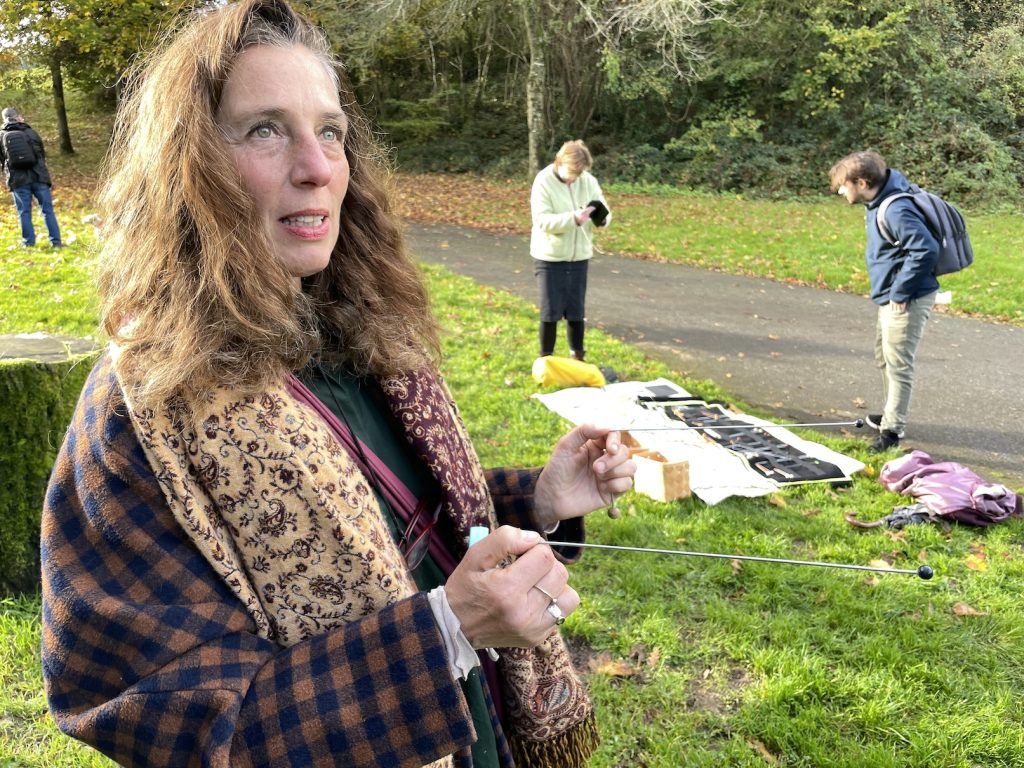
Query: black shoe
[[874, 420], [576, 355], [885, 441]]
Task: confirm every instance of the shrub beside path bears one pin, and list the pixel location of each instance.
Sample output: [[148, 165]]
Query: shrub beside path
[[797, 353]]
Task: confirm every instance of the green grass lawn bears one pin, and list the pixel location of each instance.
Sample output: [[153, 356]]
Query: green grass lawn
[[692, 662], [697, 662], [817, 242], [814, 242]]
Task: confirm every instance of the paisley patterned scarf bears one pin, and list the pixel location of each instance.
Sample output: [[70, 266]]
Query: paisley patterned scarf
[[283, 513]]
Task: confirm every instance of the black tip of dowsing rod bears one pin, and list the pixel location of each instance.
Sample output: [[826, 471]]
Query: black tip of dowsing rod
[[858, 424], [925, 572]]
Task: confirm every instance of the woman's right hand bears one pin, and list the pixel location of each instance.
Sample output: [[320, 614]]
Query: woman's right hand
[[583, 215], [508, 606]]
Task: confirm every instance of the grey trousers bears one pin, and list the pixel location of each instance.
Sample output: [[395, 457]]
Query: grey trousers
[[897, 336]]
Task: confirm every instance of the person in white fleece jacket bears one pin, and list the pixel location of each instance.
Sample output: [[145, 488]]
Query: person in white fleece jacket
[[566, 204]]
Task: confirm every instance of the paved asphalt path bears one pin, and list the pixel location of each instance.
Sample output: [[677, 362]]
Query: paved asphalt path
[[801, 354]]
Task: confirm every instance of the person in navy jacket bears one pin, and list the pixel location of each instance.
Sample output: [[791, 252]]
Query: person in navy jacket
[[902, 278]]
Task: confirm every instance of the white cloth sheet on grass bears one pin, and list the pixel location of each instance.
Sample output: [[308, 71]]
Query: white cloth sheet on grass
[[716, 473]]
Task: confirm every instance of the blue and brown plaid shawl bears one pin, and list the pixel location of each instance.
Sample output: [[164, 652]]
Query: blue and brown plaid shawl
[[152, 659]]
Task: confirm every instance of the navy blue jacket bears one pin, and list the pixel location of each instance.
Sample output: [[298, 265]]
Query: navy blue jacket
[[905, 272]]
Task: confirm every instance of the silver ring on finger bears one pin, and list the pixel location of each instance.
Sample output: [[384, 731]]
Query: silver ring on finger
[[556, 613]]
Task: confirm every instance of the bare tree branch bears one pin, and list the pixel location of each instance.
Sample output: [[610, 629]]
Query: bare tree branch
[[669, 27]]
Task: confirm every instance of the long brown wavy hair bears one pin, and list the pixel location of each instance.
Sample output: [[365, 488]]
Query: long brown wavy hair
[[191, 289]]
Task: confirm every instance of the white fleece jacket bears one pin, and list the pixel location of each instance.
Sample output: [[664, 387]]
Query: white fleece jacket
[[554, 204]]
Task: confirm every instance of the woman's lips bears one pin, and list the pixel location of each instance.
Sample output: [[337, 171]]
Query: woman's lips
[[307, 226]]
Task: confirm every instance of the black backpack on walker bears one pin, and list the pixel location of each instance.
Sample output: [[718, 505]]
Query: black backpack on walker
[[18, 150]]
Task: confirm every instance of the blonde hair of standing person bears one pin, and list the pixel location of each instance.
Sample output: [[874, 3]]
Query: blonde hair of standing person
[[574, 157]]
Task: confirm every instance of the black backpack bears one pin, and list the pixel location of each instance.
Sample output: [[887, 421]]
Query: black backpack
[[945, 223], [18, 150]]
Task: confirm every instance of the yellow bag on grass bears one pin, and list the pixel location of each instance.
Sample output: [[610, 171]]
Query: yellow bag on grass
[[566, 372]]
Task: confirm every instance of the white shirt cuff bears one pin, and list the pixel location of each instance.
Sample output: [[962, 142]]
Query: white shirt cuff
[[462, 658]]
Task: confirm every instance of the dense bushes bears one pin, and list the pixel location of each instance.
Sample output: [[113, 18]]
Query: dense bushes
[[491, 139], [784, 90], [36, 400]]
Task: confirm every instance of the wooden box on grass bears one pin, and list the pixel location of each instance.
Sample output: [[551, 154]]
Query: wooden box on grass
[[656, 476]]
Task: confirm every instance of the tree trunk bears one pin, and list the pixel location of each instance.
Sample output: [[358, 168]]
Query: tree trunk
[[533, 20], [58, 105]]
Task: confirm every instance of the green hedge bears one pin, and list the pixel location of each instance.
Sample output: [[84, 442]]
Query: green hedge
[[36, 404]]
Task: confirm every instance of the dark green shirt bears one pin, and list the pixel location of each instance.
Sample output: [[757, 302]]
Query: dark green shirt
[[359, 403]]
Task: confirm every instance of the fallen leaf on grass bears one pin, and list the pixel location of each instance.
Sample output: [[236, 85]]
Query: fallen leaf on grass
[[976, 563], [642, 657], [653, 658], [859, 402], [762, 750], [616, 669], [638, 653], [963, 609], [737, 566], [603, 664], [777, 501]]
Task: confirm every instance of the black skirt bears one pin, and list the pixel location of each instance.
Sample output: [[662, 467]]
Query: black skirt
[[563, 289]]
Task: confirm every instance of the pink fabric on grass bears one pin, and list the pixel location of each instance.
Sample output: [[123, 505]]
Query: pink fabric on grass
[[950, 489]]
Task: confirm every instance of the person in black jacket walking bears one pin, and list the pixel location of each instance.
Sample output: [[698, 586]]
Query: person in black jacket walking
[[23, 161]]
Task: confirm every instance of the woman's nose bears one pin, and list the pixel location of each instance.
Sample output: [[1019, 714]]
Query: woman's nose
[[310, 163]]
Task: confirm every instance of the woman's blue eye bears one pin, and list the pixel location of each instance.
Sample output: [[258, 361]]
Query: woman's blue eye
[[263, 131], [332, 134]]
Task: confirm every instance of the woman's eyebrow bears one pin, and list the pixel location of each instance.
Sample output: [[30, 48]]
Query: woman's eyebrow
[[274, 113], [257, 113], [337, 116]]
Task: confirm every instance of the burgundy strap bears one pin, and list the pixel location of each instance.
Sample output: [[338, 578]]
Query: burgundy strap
[[395, 492], [403, 502]]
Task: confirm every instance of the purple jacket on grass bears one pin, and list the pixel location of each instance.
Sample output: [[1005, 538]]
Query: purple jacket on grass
[[950, 489]]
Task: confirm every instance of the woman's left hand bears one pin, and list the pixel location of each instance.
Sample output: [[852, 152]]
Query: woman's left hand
[[588, 468]]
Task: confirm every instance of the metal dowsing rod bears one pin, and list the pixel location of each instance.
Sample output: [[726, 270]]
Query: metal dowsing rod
[[924, 572], [858, 424]]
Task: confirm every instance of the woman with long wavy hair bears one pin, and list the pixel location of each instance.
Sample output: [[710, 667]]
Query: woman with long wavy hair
[[256, 536]]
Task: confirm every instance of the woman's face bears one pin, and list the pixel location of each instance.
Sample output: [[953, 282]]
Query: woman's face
[[286, 129], [565, 174]]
